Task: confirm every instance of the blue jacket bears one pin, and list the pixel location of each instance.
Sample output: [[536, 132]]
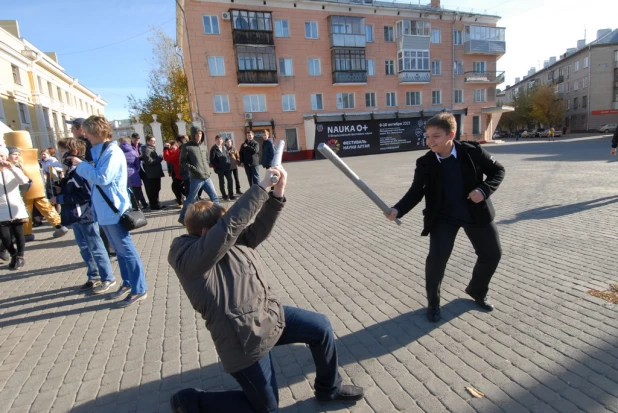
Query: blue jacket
[[268, 153], [133, 164], [109, 172], [75, 200]]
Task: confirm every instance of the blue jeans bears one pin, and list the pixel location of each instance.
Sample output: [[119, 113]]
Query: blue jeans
[[131, 268], [253, 174], [194, 188], [93, 251], [260, 392]]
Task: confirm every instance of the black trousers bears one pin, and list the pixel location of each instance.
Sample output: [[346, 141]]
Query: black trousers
[[14, 229], [235, 173], [223, 176], [486, 243], [152, 190], [138, 196], [142, 174], [177, 189]]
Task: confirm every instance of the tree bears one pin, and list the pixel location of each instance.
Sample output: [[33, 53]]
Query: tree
[[167, 88], [522, 116], [547, 109]]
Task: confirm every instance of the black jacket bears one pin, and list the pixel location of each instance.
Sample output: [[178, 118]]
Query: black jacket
[[475, 162], [220, 159], [615, 139], [268, 153], [151, 161], [250, 153]]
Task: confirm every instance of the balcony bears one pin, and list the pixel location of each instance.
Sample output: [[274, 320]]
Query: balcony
[[414, 77], [484, 77], [346, 77], [484, 40], [558, 79], [257, 77], [252, 27], [346, 31], [256, 37]]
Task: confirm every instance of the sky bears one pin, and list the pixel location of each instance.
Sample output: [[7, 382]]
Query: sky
[[105, 45]]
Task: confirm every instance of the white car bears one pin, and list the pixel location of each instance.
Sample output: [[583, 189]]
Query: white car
[[608, 127]]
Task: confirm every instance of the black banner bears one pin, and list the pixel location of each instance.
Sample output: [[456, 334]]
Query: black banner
[[370, 137]]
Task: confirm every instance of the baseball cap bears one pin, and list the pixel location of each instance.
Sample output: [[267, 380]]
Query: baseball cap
[[77, 122]]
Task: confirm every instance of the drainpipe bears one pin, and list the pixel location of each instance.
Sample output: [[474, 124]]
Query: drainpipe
[[453, 71]]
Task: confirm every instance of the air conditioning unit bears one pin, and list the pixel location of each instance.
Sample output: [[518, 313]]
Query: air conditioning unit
[[225, 15], [248, 116]]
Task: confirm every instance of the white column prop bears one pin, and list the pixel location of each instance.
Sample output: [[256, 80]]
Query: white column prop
[[332, 156], [138, 127], [277, 158], [182, 125], [156, 132]]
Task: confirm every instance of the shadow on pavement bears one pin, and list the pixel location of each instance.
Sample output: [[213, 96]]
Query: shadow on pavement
[[26, 273]]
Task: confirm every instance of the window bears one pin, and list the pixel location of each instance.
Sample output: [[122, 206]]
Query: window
[[59, 93], [436, 97], [255, 103], [436, 67], [50, 90], [413, 60], [68, 97], [479, 95], [436, 36], [575, 85], [314, 67], [285, 67], [577, 66], [458, 67], [459, 96], [484, 33], [413, 28], [40, 84], [216, 66], [616, 56], [369, 33], [311, 30], [585, 82], [370, 100], [586, 62], [371, 67], [256, 58], [391, 99], [476, 125], [349, 59], [457, 37], [568, 70], [345, 100], [316, 102], [23, 113], [282, 28], [347, 25], [584, 101], [288, 102], [252, 20], [226, 135], [211, 25], [388, 34], [478, 67], [16, 75], [222, 104], [575, 103], [413, 98], [389, 67], [568, 104], [291, 140]]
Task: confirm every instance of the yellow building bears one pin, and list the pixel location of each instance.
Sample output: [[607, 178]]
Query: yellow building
[[36, 94]]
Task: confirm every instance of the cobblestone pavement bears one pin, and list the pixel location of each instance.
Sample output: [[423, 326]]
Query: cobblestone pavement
[[548, 347]]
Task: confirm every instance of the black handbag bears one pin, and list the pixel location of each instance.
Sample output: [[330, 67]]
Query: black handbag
[[131, 219]]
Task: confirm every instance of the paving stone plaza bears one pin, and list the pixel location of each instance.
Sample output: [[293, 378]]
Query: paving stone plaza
[[548, 347]]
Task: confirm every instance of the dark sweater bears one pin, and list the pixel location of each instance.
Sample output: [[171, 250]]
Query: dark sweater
[[455, 205]]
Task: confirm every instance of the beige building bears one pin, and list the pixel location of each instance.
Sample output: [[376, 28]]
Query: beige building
[[585, 77], [36, 94], [311, 70]]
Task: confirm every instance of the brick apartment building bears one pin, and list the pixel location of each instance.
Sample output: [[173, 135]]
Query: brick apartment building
[[359, 74]]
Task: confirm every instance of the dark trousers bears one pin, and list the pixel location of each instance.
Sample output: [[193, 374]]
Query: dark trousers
[[14, 229], [260, 392], [152, 191], [142, 174], [236, 180], [138, 196], [223, 176], [178, 190], [253, 174], [486, 243]]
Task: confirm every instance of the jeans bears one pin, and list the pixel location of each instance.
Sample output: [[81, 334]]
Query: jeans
[[486, 243], [253, 174], [93, 251], [131, 268], [194, 187], [260, 392]]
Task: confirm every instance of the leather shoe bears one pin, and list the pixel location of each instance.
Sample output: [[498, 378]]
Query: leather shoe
[[481, 302], [433, 314], [346, 393]]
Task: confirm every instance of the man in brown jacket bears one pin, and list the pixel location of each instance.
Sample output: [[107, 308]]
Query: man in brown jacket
[[226, 282]]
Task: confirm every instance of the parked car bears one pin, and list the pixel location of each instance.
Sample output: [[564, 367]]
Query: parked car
[[608, 127], [501, 134], [538, 133], [557, 132], [527, 134]]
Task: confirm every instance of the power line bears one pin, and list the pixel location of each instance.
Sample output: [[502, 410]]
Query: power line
[[118, 42]]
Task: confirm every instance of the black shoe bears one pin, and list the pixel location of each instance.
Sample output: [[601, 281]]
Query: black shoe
[[157, 208], [146, 206], [225, 198], [185, 401], [13, 262], [89, 285], [239, 192], [233, 197], [20, 262], [433, 314], [346, 393], [481, 302]]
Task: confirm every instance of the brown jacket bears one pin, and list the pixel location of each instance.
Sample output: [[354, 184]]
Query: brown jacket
[[226, 282]]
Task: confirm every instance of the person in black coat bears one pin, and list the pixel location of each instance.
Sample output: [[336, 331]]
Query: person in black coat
[[614, 142], [268, 151], [250, 158], [450, 177], [151, 161], [220, 160]]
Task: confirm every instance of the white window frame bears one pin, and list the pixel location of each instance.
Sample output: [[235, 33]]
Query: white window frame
[[257, 103], [369, 35], [216, 19], [287, 146], [436, 34], [576, 85], [479, 67], [16, 74], [480, 95], [577, 66], [314, 101], [586, 61], [457, 37], [391, 99], [436, 97], [409, 100], [216, 66], [585, 82], [372, 98], [436, 67], [288, 102], [458, 67], [310, 24], [340, 102], [460, 93], [230, 135], [312, 62], [223, 101], [24, 117], [371, 67], [281, 29], [40, 81], [285, 61], [2, 114], [389, 64]]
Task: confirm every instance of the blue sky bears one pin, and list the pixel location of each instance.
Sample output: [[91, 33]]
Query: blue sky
[[535, 30]]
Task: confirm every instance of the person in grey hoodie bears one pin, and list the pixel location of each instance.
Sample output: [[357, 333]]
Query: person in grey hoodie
[[226, 282]]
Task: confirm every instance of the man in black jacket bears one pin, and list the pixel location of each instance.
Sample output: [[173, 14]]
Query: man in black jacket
[[151, 161], [250, 157], [450, 177], [268, 150], [615, 142]]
